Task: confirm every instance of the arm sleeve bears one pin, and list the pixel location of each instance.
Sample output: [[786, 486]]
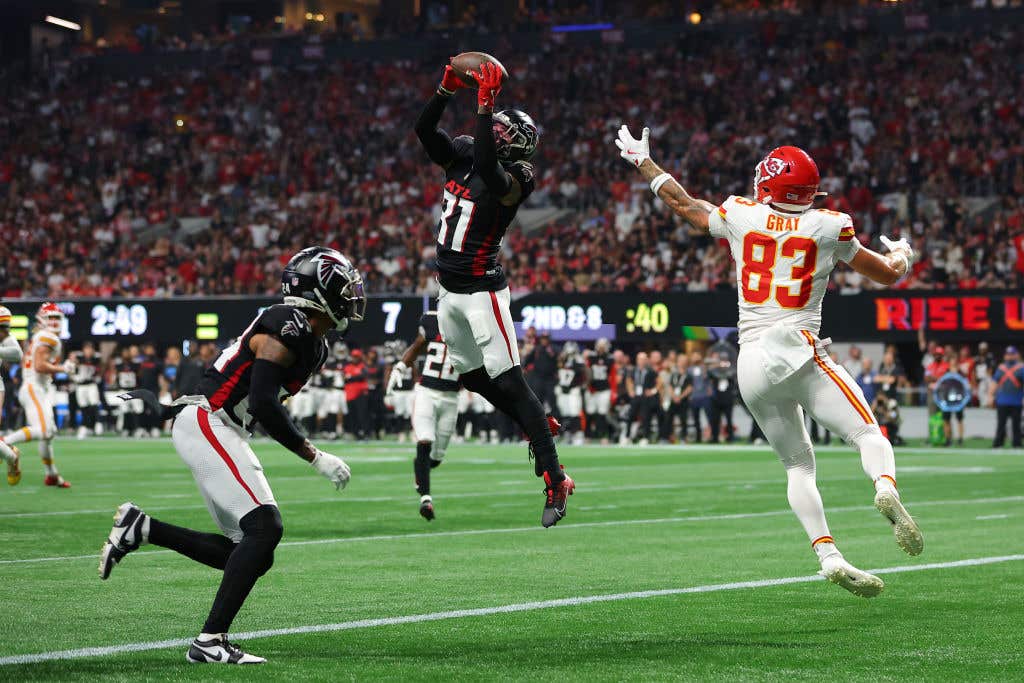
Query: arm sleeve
[[717, 220], [436, 142], [10, 351], [485, 157], [266, 408], [847, 244]]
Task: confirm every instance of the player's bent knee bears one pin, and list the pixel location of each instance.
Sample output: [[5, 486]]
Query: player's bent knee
[[262, 530]]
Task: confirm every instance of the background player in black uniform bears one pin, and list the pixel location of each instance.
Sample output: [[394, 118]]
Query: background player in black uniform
[[274, 357], [597, 401], [435, 405], [486, 179], [86, 379], [125, 378], [572, 377]]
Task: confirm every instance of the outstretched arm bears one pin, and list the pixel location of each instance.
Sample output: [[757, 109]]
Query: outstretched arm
[[436, 142], [885, 269], [637, 152], [485, 150]]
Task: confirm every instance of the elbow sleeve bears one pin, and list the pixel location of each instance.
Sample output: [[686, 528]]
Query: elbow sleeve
[[266, 408]]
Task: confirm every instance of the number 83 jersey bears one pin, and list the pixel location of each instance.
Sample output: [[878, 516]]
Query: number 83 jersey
[[783, 261], [473, 224]]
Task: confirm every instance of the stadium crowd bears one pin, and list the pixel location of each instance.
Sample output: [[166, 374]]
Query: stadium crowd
[[102, 178], [668, 395]]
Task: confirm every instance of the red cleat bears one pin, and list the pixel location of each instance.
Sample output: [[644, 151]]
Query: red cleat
[[554, 426], [56, 480], [554, 505]]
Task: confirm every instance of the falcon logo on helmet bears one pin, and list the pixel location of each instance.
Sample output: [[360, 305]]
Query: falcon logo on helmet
[[50, 317], [787, 178], [324, 280]]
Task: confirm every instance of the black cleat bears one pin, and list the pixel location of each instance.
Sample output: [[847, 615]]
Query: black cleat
[[218, 650], [554, 504], [427, 508], [125, 536]]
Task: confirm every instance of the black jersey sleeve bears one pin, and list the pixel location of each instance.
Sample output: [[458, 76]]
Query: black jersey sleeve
[[485, 157], [290, 326], [429, 327], [435, 141], [522, 171]]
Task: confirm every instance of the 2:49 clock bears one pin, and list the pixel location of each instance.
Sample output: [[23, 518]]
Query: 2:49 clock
[[647, 318], [119, 320]]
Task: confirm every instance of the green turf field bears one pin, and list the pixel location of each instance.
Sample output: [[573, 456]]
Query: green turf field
[[684, 523]]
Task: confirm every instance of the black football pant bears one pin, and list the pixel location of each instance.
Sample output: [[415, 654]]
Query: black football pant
[[721, 409], [666, 421], [1013, 415]]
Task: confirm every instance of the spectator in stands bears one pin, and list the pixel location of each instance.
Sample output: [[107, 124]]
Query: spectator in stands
[[1007, 392], [867, 380]]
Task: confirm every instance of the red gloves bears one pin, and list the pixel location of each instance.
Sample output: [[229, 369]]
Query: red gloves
[[488, 81], [451, 82]]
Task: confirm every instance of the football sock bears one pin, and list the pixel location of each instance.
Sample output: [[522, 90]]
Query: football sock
[[530, 414], [878, 459], [251, 559], [804, 498], [213, 550], [46, 454], [24, 434], [422, 466], [6, 453]]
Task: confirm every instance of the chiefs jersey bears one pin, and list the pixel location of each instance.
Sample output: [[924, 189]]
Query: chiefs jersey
[[438, 372], [226, 383], [783, 261], [473, 223], [600, 371], [44, 338]]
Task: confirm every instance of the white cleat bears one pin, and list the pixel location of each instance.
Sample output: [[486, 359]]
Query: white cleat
[[125, 536], [218, 650], [908, 534], [843, 574]]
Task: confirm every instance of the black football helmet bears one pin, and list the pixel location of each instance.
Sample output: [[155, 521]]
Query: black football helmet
[[322, 278], [515, 135]]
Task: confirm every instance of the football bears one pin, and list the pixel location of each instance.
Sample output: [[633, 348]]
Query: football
[[471, 61]]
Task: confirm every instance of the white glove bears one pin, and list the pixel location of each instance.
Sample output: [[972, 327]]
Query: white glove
[[900, 245], [397, 371], [332, 467], [632, 150], [69, 367]]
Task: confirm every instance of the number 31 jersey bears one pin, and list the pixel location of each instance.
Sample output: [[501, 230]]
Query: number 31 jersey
[[783, 261], [473, 223]]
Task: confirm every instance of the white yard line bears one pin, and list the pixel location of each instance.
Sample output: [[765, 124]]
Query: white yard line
[[524, 529], [107, 650]]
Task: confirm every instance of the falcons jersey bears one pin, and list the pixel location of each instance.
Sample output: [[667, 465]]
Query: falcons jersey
[[473, 223], [438, 372], [571, 376], [331, 375], [126, 374], [600, 371], [783, 261], [87, 370], [226, 383], [46, 339]]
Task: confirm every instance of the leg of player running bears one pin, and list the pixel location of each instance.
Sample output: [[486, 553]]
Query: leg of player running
[[832, 397], [782, 420]]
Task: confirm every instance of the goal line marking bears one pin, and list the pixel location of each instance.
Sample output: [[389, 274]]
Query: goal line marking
[[107, 650]]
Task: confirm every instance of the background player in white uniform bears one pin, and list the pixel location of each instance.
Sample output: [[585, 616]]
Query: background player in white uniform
[[275, 356], [330, 398], [435, 404], [40, 364], [785, 251], [10, 352], [399, 389]]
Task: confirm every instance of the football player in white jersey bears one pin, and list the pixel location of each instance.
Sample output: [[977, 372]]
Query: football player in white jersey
[[784, 251], [41, 363], [10, 352]]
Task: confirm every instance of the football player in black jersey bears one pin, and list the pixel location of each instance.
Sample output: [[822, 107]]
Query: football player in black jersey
[[273, 358], [572, 377], [435, 404], [597, 401], [86, 378], [487, 177]]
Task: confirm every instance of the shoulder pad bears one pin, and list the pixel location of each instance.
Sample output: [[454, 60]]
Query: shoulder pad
[[286, 322]]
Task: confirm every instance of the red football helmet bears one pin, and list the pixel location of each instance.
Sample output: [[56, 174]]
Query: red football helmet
[[787, 178], [50, 317]]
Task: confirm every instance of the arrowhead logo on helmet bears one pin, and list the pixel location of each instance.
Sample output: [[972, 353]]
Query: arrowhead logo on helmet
[[787, 178]]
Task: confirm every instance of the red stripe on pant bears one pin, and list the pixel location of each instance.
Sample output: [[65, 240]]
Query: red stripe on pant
[[204, 425], [501, 324]]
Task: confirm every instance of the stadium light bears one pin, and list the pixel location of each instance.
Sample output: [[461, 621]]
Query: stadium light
[[57, 21], [695, 18]]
